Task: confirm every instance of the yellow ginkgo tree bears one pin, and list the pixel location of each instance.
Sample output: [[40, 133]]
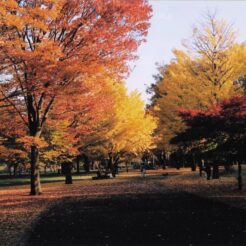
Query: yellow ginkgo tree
[[205, 72], [126, 128]]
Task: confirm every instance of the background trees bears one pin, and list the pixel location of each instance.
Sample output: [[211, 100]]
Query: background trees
[[51, 47], [125, 129], [205, 72], [217, 134]]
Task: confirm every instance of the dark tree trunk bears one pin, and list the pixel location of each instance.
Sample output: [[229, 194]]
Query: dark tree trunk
[[239, 178], [15, 170], [69, 179], [110, 163], [35, 176], [200, 170], [10, 172], [115, 166], [127, 167], [200, 165], [193, 165], [227, 168], [162, 159], [208, 170], [77, 163], [67, 171], [215, 171], [163, 163], [20, 171], [86, 163]]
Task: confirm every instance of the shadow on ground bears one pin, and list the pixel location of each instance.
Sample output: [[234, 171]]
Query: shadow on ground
[[143, 219]]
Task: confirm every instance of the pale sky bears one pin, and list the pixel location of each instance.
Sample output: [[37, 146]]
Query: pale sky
[[172, 22]]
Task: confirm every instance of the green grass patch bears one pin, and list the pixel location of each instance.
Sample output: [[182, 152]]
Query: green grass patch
[[25, 181]]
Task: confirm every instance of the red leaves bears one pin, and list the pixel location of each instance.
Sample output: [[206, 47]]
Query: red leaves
[[224, 122], [231, 109]]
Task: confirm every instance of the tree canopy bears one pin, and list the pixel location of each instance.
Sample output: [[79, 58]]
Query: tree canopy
[[49, 48], [205, 72]]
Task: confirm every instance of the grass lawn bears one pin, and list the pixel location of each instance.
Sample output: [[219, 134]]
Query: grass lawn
[[14, 181], [128, 200]]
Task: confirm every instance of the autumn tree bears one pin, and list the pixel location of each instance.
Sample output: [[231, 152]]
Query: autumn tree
[[219, 133], [12, 153], [219, 61], [125, 129], [48, 47], [203, 73], [76, 116]]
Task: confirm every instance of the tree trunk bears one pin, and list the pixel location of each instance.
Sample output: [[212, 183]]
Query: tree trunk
[[239, 178], [10, 172], [193, 167], [69, 179], [35, 176], [15, 170], [126, 166], [77, 163], [215, 171], [86, 163], [208, 170], [115, 168], [110, 163], [201, 164], [163, 163], [67, 171]]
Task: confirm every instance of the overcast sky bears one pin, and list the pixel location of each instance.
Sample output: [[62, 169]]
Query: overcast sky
[[172, 22]]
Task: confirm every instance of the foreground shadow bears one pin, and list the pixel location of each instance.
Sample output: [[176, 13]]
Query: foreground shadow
[[146, 219]]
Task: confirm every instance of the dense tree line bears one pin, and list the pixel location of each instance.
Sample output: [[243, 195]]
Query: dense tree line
[[208, 74], [56, 57]]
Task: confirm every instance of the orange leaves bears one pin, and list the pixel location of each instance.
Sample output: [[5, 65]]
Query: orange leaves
[[10, 154], [60, 40], [124, 127], [58, 55], [29, 141]]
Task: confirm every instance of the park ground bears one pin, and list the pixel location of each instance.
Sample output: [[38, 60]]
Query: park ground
[[175, 209]]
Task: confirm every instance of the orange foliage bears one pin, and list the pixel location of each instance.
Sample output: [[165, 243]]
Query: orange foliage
[[49, 48]]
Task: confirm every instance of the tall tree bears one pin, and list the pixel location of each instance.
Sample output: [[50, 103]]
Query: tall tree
[[124, 129], [51, 46], [202, 74], [218, 57]]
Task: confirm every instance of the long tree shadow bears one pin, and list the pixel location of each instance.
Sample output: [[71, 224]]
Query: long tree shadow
[[143, 219]]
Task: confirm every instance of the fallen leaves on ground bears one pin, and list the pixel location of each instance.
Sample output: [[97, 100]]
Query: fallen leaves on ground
[[19, 211]]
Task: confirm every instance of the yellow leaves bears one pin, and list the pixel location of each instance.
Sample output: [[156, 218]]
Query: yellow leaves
[[200, 75], [124, 127], [238, 58], [130, 129]]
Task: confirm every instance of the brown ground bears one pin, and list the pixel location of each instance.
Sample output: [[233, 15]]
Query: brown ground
[[134, 201]]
